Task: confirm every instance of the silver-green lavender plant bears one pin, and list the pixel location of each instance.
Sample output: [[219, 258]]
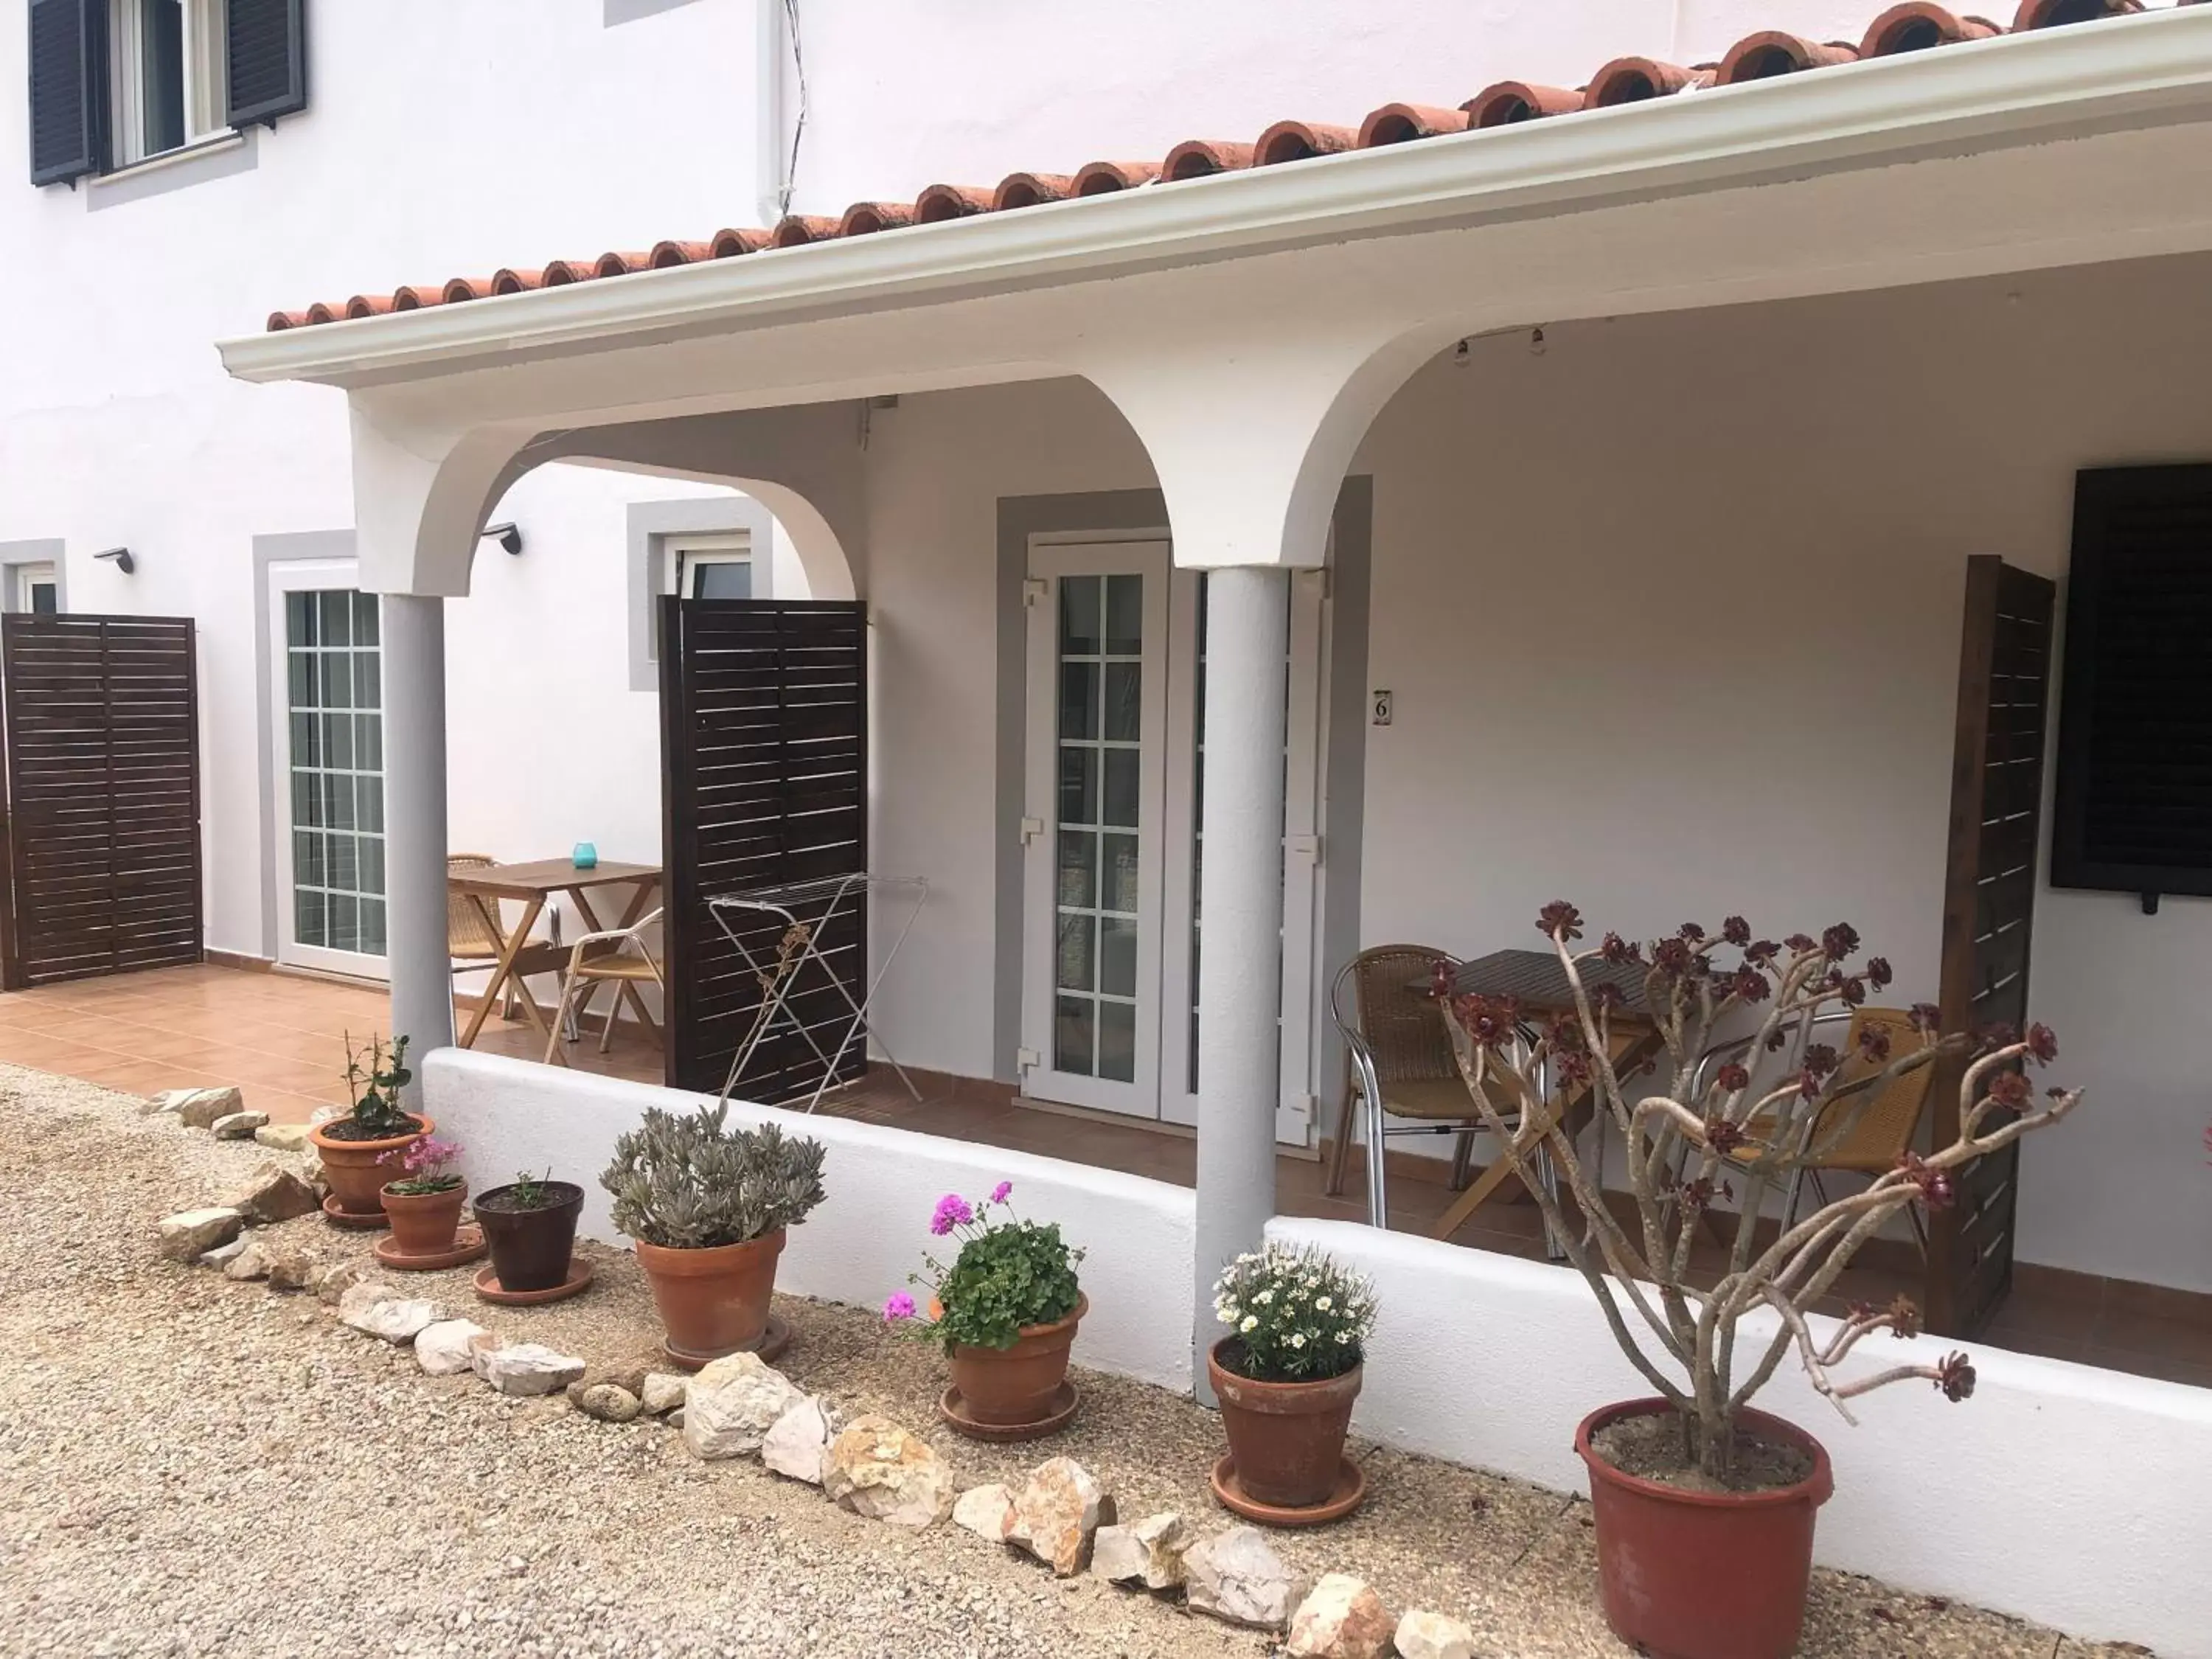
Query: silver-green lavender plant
[[686, 1184]]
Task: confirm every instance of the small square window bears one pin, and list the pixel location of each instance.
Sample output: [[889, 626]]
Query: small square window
[[718, 567], [167, 62], [35, 587]]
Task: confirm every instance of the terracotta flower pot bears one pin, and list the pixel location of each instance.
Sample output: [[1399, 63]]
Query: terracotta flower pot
[[352, 1167], [1695, 1575], [713, 1301], [1288, 1439], [1005, 1387], [423, 1223], [530, 1248]]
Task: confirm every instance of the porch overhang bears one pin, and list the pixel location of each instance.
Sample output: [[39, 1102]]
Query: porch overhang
[[2078, 109]]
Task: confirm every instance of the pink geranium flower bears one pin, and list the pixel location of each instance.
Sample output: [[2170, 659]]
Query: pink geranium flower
[[899, 1305]]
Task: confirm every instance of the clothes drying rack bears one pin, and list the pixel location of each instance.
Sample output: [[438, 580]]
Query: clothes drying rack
[[807, 909]]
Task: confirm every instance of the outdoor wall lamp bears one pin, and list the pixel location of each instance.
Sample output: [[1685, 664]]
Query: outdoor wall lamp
[[124, 562], [509, 536]]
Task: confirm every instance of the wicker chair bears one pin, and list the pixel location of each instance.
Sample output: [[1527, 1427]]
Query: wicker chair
[[473, 944], [1398, 1064], [612, 964], [1883, 1129]]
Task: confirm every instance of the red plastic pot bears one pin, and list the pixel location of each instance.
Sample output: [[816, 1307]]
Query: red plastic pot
[[1694, 1575]]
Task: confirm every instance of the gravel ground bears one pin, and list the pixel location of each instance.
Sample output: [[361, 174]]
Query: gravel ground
[[201, 1468]]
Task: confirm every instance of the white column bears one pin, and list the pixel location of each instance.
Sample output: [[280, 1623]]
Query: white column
[[1240, 912], [415, 823]]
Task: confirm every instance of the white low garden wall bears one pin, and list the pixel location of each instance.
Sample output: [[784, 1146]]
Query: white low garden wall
[[864, 1240], [2071, 1495]]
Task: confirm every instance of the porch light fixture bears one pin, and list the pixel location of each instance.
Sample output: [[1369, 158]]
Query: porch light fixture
[[509, 536], [124, 562]]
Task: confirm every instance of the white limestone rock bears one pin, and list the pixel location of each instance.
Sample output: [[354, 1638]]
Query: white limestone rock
[[223, 1255], [663, 1392], [250, 1263], [1057, 1512], [525, 1369], [610, 1402], [190, 1233], [1148, 1553], [798, 1445], [1237, 1576], [198, 1109], [272, 1193], [238, 1125], [376, 1308], [878, 1469], [283, 1137], [987, 1511], [1342, 1618], [730, 1405], [1423, 1635], [446, 1349]]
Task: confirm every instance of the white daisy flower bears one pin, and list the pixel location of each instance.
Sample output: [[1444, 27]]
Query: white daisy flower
[[1249, 1325], [1297, 1339], [1323, 1304]]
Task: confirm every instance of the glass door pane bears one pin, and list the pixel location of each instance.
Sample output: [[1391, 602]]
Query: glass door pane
[[1098, 824], [335, 724]]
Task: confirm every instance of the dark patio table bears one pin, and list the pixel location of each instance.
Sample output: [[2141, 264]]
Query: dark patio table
[[1536, 979]]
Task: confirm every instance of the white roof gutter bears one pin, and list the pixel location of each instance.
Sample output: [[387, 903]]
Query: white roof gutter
[[2010, 91]]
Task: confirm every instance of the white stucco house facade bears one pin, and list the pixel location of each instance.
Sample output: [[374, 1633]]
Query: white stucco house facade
[[1633, 421]]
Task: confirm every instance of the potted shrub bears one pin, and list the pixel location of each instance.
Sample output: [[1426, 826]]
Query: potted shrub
[[1286, 1375], [1005, 1312], [531, 1225], [707, 1208], [352, 1146], [424, 1204], [1704, 1507]]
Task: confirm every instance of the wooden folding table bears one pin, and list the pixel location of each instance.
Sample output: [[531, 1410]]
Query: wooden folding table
[[1539, 984], [532, 884]]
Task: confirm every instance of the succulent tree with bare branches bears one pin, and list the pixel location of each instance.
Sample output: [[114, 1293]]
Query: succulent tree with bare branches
[[1779, 1104]]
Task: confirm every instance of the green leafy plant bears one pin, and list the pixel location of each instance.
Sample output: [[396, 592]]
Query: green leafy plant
[[1294, 1315], [687, 1183], [528, 1192], [375, 1075], [1009, 1274]]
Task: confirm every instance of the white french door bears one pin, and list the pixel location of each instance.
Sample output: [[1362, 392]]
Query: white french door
[[327, 732], [1112, 808]]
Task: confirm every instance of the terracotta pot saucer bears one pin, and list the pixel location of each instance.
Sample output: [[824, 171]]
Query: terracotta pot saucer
[[578, 1281], [772, 1341], [1350, 1491], [469, 1246], [365, 1220], [953, 1409]]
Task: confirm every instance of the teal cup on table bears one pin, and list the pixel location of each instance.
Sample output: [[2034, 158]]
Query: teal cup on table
[[586, 856]]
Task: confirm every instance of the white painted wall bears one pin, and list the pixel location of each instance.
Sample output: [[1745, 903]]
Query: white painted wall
[[440, 139], [859, 1246], [2060, 1493]]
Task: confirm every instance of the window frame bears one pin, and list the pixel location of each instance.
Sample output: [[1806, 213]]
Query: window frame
[[23, 582], [687, 551], [205, 91]]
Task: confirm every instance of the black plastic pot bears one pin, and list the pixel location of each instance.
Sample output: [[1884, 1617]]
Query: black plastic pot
[[530, 1248]]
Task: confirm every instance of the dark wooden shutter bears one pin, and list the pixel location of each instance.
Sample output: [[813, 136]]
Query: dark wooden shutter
[[764, 723], [1989, 911], [102, 843], [265, 44], [2133, 807], [68, 89]]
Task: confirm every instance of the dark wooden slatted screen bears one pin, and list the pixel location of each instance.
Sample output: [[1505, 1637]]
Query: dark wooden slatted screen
[[764, 719], [2133, 808], [101, 725], [1989, 910]]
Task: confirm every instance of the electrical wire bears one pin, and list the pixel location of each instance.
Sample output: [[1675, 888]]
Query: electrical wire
[[798, 127]]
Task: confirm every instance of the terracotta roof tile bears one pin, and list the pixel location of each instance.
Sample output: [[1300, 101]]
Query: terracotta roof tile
[[1102, 178], [1912, 25], [1400, 124], [1197, 158], [1507, 101]]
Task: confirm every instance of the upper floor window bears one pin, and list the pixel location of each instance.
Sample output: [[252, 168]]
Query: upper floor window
[[113, 82], [711, 566], [167, 65]]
